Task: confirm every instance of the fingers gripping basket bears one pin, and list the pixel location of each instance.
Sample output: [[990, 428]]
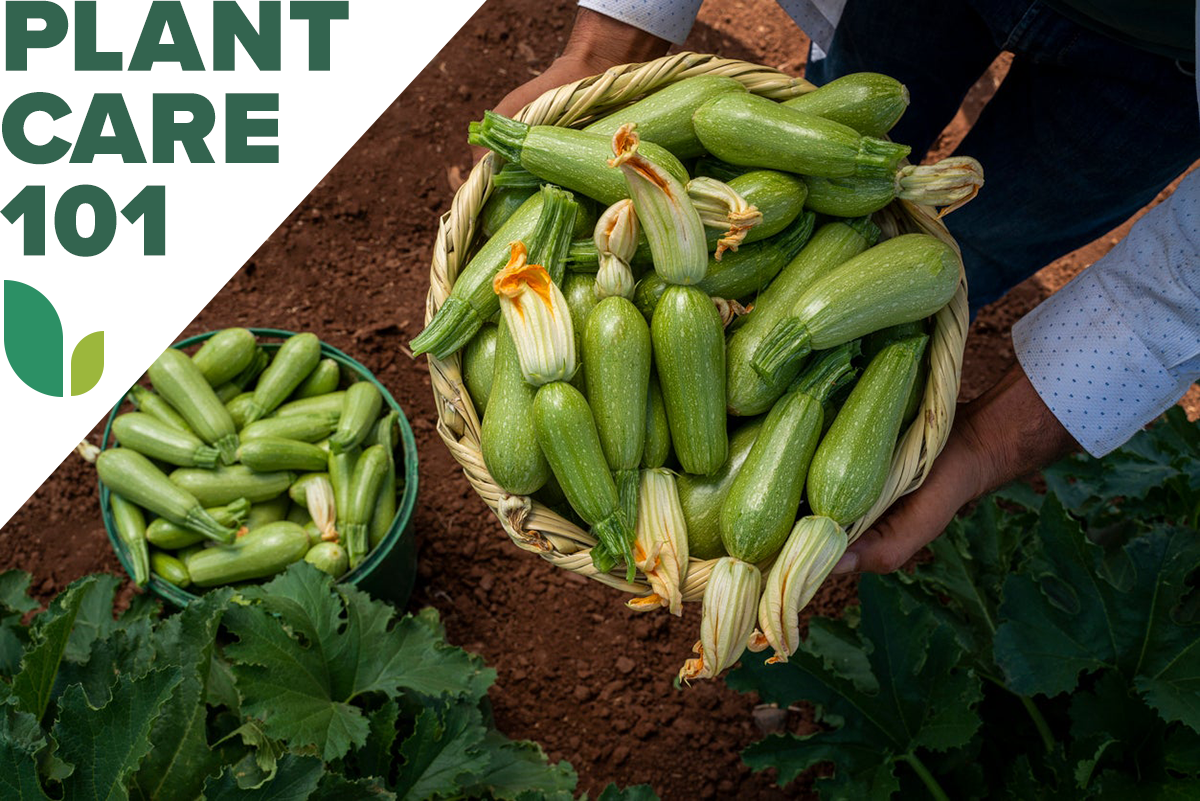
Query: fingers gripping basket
[[535, 527]]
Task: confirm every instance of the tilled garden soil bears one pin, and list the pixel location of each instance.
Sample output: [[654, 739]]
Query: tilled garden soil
[[589, 680]]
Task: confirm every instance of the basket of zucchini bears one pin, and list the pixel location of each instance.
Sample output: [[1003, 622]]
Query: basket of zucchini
[[260, 449], [693, 326]]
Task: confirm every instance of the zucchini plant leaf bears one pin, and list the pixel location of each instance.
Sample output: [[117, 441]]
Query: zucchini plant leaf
[[307, 648], [50, 633], [638, 792], [1063, 617], [296, 777], [518, 768], [180, 758], [338, 788], [106, 744], [374, 758], [445, 750], [917, 697], [21, 739], [15, 603]]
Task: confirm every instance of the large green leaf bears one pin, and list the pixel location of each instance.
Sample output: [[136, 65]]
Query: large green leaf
[[444, 752], [1063, 617], [21, 739], [106, 744], [297, 778], [518, 769], [916, 697], [308, 648], [15, 603], [181, 759], [51, 631]]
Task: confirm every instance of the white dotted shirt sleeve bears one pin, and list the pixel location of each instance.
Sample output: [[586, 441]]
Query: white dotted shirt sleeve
[[1120, 344], [667, 19]]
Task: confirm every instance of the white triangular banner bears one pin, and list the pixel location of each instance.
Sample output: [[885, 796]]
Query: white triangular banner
[[217, 215]]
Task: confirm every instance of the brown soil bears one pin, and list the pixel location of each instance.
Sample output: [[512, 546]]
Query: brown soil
[[578, 673]]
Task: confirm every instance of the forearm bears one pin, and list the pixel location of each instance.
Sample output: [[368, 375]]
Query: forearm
[[601, 42]]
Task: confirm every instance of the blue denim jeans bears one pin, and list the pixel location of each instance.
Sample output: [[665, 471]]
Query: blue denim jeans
[[1083, 132]]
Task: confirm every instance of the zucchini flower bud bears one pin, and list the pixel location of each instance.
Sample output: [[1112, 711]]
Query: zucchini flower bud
[[951, 182], [720, 206], [616, 239], [814, 547], [319, 499], [538, 319], [661, 548], [728, 618], [673, 227]]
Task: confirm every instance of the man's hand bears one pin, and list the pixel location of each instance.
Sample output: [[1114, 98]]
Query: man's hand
[[596, 43], [1003, 435]]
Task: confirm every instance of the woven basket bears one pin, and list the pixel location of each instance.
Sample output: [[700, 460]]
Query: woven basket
[[530, 524]]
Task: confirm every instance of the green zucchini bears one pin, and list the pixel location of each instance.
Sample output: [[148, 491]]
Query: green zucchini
[[566, 432], [130, 525], [365, 485], [658, 431], [152, 437], [868, 102], [547, 217], [582, 256], [271, 511], [898, 281], [577, 160], [227, 392], [324, 379], [850, 468], [296, 358], [227, 484], [616, 348], [312, 530], [303, 427], [298, 514], [132, 476], [507, 437], [479, 363], [225, 354], [239, 409], [329, 557], [360, 410], [257, 554], [170, 569], [715, 168], [322, 404], [162, 533], [701, 497], [740, 273], [752, 131], [850, 197], [760, 510], [144, 400], [341, 476], [271, 454], [689, 351], [384, 513], [501, 206], [298, 491], [665, 117], [873, 343], [181, 383], [832, 244], [579, 289], [777, 195]]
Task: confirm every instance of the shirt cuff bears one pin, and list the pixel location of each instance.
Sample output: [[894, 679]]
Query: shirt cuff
[[1094, 373], [667, 20]]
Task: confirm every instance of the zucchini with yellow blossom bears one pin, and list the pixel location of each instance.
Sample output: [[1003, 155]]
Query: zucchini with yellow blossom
[[536, 314], [661, 542]]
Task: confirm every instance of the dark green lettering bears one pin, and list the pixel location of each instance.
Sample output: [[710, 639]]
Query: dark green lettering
[[231, 25], [14, 128], [191, 133], [87, 57], [66, 221], [92, 141], [240, 127], [320, 13], [163, 15], [19, 40]]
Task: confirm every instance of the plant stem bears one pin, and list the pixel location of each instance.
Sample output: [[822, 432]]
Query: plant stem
[[1039, 722], [931, 783]]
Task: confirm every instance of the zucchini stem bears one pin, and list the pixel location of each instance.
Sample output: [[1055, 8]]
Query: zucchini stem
[[201, 521], [877, 157], [833, 370], [627, 482], [514, 176], [616, 537], [787, 343], [499, 134], [227, 446], [793, 238], [865, 228], [550, 241], [456, 322], [930, 782]]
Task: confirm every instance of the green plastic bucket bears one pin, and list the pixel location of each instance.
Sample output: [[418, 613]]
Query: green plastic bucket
[[389, 570]]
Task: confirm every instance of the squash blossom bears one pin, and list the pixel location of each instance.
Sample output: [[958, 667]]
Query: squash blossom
[[951, 182], [660, 549], [616, 238], [728, 618], [538, 319], [813, 548], [720, 206], [672, 224]]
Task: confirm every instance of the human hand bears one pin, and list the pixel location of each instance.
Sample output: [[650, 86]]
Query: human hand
[[596, 43], [1003, 435]]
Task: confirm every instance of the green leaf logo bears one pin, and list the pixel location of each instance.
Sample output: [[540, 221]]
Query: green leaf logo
[[33, 342]]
